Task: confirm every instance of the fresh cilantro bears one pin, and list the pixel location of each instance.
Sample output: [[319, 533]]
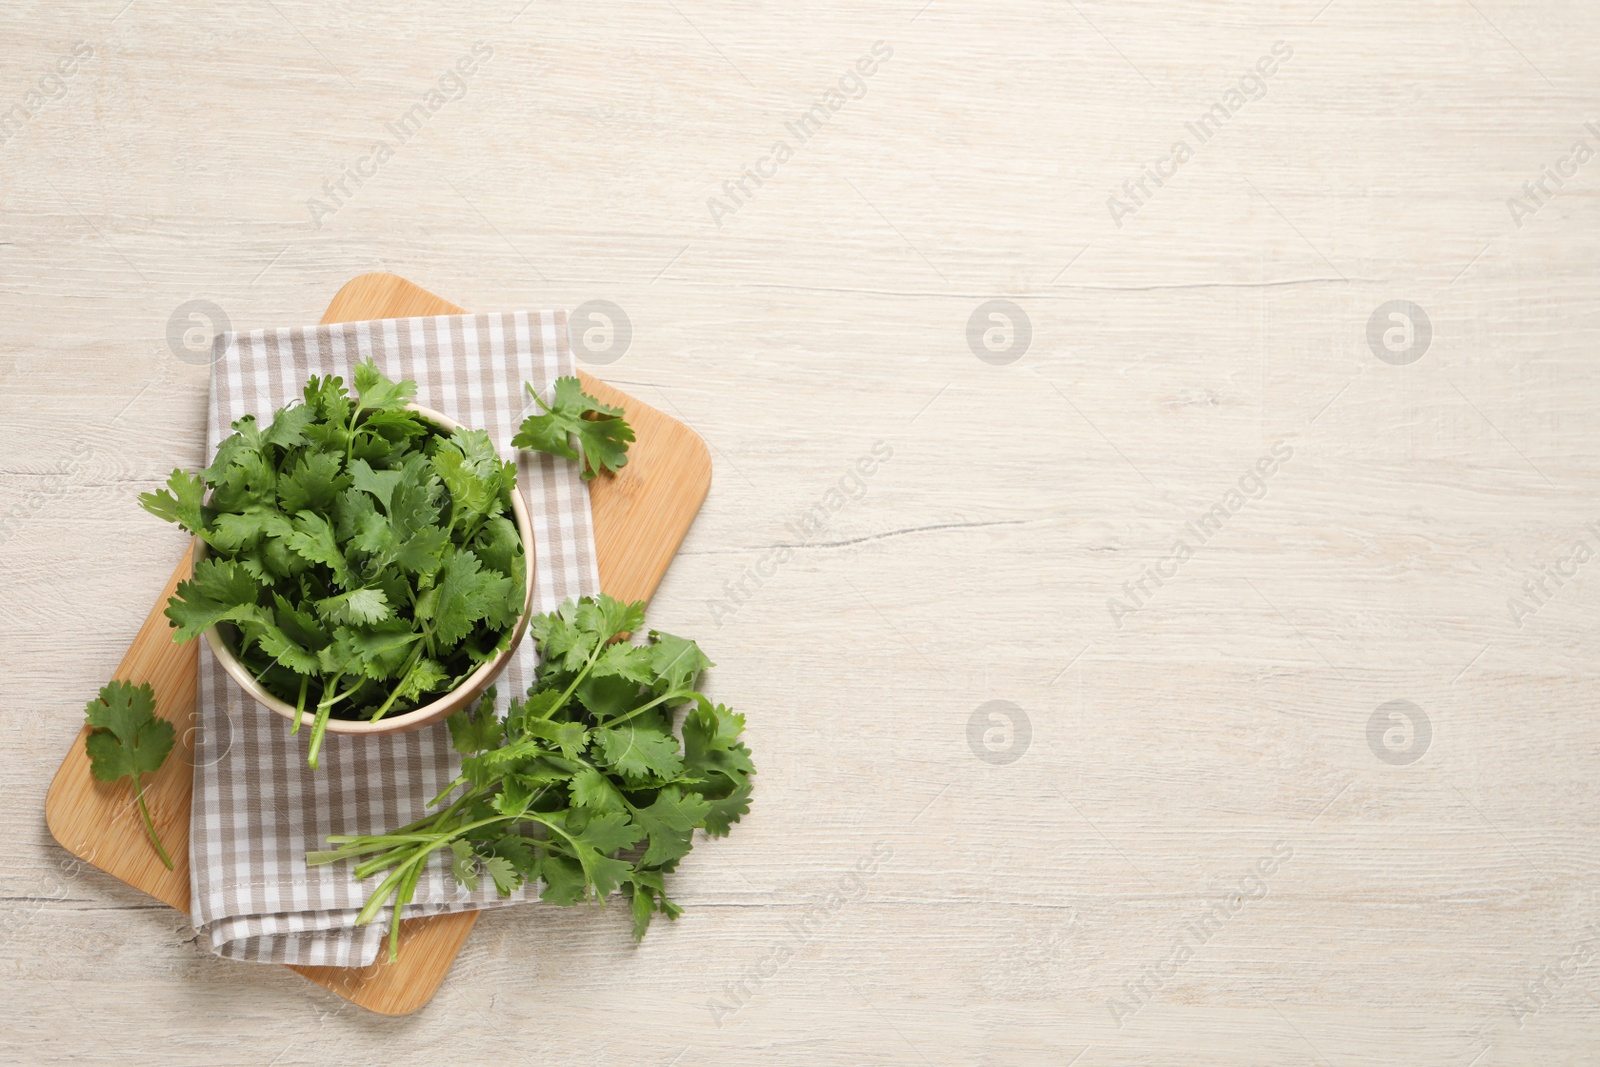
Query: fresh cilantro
[[601, 431], [128, 739], [583, 785], [360, 561]]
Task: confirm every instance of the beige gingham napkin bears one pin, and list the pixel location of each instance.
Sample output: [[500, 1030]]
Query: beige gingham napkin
[[257, 807]]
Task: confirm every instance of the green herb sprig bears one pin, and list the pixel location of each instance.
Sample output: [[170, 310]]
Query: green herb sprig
[[128, 739], [600, 430], [360, 562], [583, 783]]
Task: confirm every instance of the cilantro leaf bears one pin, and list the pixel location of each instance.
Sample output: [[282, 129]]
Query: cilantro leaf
[[602, 433], [464, 864], [236, 531], [637, 751], [565, 880], [312, 483], [260, 629], [711, 745], [467, 593], [378, 393], [506, 877], [478, 728], [677, 661], [313, 540], [180, 502], [595, 791], [127, 739], [357, 607], [381, 484], [218, 591], [326, 396], [670, 822], [289, 426], [723, 812]]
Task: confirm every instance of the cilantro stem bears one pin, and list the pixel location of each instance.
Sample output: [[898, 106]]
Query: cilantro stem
[[350, 441], [675, 694], [405, 676], [446, 792], [389, 886], [599, 648], [402, 898], [324, 709], [149, 824], [300, 704]]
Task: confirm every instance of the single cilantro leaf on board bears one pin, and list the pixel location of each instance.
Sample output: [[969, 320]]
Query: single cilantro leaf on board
[[179, 502], [601, 431], [127, 739]]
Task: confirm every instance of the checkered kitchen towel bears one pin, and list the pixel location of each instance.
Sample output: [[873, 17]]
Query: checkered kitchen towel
[[257, 807]]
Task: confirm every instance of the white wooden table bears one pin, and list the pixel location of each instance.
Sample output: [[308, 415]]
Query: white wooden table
[[1200, 832]]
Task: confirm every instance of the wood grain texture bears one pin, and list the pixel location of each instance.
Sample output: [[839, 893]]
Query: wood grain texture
[[641, 516], [827, 309]]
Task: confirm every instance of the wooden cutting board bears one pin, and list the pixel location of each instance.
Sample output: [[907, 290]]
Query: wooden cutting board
[[640, 517]]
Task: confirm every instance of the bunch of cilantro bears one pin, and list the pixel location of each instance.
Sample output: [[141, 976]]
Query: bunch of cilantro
[[360, 562], [583, 783]]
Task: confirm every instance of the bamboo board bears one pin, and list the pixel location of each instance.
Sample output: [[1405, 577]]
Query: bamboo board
[[641, 515]]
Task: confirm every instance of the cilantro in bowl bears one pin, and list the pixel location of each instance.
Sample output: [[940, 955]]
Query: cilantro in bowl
[[359, 559]]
